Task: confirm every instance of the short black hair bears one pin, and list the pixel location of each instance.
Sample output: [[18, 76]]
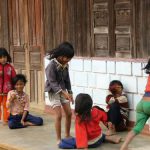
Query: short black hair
[[147, 67], [18, 77], [3, 52], [64, 49], [113, 82], [83, 106]]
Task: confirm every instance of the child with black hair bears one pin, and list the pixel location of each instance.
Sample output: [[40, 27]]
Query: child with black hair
[[142, 112], [58, 85], [18, 105], [87, 129], [118, 108], [7, 72]]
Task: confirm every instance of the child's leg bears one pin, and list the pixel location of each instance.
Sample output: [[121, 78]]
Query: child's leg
[[113, 139], [114, 115], [14, 122], [111, 129], [1, 98], [5, 111], [58, 117], [128, 139], [33, 120], [141, 121], [68, 114]]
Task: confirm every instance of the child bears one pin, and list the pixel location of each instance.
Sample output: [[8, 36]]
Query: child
[[18, 104], [7, 72], [117, 107], [58, 85], [87, 129], [142, 112]]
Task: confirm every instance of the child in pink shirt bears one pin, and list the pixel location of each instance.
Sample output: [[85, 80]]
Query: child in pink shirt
[[18, 105]]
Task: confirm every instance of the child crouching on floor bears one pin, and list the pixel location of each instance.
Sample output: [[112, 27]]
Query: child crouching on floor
[[18, 105], [87, 129]]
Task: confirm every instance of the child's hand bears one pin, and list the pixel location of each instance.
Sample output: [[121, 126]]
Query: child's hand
[[22, 122], [13, 97], [68, 96]]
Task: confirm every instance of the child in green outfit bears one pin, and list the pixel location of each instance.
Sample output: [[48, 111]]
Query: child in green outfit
[[142, 112]]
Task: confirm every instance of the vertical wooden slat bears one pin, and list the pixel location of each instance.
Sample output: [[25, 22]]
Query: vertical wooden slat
[[21, 21], [32, 23], [38, 20], [48, 28], [111, 28]]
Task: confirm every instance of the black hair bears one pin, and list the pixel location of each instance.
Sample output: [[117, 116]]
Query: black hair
[[147, 67], [115, 82], [3, 52], [64, 49], [19, 77], [83, 106]]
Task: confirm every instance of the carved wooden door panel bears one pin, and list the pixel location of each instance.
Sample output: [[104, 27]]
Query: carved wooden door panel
[[112, 27], [26, 45]]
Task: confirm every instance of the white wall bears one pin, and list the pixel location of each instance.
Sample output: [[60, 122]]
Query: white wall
[[93, 77]]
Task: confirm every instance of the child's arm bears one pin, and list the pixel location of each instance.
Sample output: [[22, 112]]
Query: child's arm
[[25, 112], [26, 109], [81, 134], [110, 99], [10, 98], [67, 96]]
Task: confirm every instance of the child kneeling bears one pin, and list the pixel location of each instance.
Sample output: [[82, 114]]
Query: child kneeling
[[18, 105]]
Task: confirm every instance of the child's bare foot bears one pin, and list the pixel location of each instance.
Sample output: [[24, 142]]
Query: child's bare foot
[[124, 148], [68, 137], [5, 123], [116, 139], [58, 142]]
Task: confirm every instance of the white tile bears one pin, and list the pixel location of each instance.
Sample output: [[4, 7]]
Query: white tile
[[99, 66], [76, 64], [102, 81], [129, 83], [80, 79], [141, 84], [110, 67], [87, 65], [136, 69], [123, 68]]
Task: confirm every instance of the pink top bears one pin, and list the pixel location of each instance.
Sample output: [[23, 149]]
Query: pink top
[[7, 72], [18, 105]]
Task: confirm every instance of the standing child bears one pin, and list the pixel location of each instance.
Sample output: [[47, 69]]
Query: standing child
[[87, 129], [142, 112], [58, 85], [7, 72], [18, 104], [117, 107]]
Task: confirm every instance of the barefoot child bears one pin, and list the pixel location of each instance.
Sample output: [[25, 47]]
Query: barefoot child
[[87, 129], [7, 72], [142, 112], [18, 105], [118, 108], [58, 85]]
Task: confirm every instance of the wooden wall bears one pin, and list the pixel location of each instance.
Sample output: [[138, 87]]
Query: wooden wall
[[114, 28]]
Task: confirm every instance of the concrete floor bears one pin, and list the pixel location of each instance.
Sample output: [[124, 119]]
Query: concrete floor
[[44, 138]]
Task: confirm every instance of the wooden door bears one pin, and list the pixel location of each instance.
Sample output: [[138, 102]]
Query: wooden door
[[26, 45], [112, 28]]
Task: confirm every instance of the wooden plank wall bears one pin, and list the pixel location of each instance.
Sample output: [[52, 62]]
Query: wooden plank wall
[[75, 20], [68, 20], [4, 42]]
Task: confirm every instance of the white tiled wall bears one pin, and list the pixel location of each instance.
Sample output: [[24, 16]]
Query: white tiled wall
[[93, 77]]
